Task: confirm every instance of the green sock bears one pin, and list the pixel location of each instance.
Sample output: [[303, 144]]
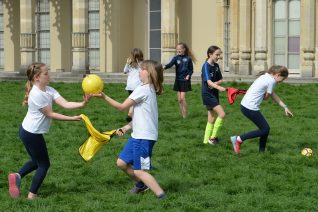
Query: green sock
[[208, 131], [217, 126]]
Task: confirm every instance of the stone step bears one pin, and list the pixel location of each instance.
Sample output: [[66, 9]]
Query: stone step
[[122, 78]]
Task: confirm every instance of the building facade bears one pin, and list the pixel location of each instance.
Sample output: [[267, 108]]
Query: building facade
[[80, 35]]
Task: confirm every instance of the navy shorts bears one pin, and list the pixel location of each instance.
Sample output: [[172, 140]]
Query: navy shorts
[[137, 152], [210, 100], [182, 85]]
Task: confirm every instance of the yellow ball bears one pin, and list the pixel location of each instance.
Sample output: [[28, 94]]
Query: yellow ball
[[306, 152], [92, 84]]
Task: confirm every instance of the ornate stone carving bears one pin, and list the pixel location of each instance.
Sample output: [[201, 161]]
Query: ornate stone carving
[[79, 39], [27, 40], [169, 40]]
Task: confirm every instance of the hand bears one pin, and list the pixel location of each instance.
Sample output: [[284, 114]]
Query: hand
[[76, 118], [222, 89], [288, 113], [128, 61], [86, 98], [120, 132], [101, 94], [187, 77]]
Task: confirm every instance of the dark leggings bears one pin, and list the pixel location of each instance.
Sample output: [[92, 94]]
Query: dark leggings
[[36, 148], [263, 128]]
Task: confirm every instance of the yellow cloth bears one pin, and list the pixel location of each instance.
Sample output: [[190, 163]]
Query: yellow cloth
[[89, 148]]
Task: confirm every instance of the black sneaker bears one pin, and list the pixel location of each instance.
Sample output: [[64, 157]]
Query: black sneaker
[[128, 119], [136, 190], [213, 141]]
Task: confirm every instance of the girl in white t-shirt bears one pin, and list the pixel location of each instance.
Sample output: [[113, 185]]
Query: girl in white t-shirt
[[39, 97], [135, 158], [262, 88], [132, 69]]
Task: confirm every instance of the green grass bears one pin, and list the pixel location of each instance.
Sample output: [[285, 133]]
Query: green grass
[[196, 177]]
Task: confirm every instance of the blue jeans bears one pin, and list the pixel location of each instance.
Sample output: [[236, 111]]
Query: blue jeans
[[36, 147], [263, 128]]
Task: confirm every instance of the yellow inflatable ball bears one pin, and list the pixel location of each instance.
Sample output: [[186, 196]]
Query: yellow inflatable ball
[[92, 84]]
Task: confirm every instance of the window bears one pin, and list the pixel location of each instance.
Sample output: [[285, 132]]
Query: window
[[43, 32], [287, 33], [155, 30], [1, 36], [93, 34]]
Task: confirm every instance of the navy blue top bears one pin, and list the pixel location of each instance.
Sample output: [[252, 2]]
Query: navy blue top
[[213, 73], [183, 65]]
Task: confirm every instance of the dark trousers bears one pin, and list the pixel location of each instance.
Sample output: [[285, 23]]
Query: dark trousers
[[36, 147], [263, 128]]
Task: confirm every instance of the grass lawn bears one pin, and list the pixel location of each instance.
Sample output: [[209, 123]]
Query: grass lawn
[[195, 176]]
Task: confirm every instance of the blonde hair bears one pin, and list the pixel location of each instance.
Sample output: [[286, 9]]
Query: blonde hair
[[276, 69], [33, 71], [155, 71], [136, 56]]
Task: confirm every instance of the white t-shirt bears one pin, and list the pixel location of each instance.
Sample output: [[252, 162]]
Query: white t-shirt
[[255, 94], [133, 79], [145, 116], [35, 121]]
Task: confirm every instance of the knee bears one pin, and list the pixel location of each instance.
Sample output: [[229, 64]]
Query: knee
[[121, 164], [181, 100], [44, 165], [221, 115], [265, 131], [139, 173]]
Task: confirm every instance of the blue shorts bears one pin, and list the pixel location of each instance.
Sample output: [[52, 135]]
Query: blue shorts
[[137, 152]]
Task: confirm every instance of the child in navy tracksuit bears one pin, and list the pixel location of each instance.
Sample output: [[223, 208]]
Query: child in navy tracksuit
[[184, 69]]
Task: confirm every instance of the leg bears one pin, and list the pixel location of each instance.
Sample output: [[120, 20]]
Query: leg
[[219, 121], [127, 169], [209, 126], [182, 103], [263, 128], [150, 181]]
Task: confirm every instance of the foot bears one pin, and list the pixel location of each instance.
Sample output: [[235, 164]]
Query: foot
[[14, 184], [32, 196], [236, 144], [128, 118], [136, 190], [213, 141]]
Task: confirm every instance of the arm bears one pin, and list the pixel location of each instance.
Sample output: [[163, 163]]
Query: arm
[[276, 99], [170, 64], [190, 69], [215, 85], [47, 111], [71, 105], [119, 106]]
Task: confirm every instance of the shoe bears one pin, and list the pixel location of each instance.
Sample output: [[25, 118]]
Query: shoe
[[213, 141], [136, 190], [236, 144], [14, 185], [128, 119]]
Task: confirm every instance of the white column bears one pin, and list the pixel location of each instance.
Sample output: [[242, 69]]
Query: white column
[[27, 33], [168, 30], [80, 36], [245, 37], [307, 36], [234, 35], [260, 36]]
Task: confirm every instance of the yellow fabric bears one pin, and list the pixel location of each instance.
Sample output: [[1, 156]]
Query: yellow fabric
[[89, 148]]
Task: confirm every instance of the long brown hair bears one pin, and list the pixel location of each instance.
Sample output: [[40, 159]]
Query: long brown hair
[[33, 71], [187, 51], [155, 71], [136, 56], [276, 69], [211, 50]]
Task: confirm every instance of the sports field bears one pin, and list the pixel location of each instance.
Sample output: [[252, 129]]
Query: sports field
[[195, 176]]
